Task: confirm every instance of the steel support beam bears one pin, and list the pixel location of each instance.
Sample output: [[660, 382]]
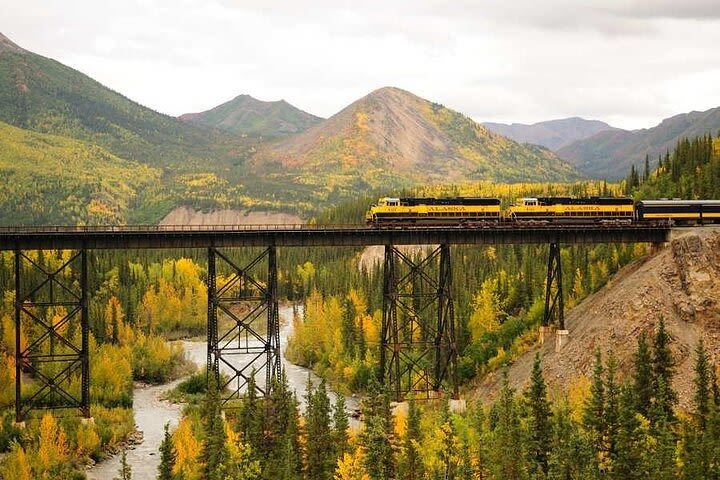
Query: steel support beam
[[48, 302], [554, 303], [243, 322], [418, 351]]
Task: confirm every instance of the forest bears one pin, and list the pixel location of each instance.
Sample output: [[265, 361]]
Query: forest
[[601, 428]]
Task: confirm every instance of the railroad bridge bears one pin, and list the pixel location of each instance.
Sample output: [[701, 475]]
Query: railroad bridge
[[417, 344]]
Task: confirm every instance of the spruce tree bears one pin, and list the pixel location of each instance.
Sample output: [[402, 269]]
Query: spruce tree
[[214, 451], [570, 457], [251, 422], [663, 369], [167, 456], [377, 437], [643, 377], [507, 449], [410, 465], [282, 460], [319, 449], [341, 426], [612, 410], [594, 410], [702, 385], [627, 455], [539, 420]]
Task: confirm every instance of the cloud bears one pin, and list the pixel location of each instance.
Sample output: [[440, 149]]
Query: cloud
[[630, 62]]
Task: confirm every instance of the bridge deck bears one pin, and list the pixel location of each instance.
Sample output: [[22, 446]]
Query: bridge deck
[[164, 236]]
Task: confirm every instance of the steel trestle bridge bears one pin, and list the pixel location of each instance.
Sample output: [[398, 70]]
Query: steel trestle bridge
[[418, 349]]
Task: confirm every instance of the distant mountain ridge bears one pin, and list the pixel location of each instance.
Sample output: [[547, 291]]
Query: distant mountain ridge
[[392, 138], [610, 154], [553, 134], [247, 115], [128, 163]]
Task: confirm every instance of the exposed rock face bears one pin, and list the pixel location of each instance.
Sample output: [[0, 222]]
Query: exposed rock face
[[188, 216], [680, 283]]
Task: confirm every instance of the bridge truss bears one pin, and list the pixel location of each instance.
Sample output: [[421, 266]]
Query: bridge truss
[[418, 350]]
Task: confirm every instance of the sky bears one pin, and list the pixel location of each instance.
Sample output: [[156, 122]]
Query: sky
[[630, 63]]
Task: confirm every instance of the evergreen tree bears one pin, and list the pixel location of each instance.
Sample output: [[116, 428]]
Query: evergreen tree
[[627, 455], [570, 455], [702, 385], [340, 428], [124, 472], [507, 449], [167, 456], [252, 419], [347, 328], [643, 377], [377, 437], [594, 411], [410, 465], [319, 447], [282, 460], [539, 419], [663, 370], [214, 451], [612, 411]]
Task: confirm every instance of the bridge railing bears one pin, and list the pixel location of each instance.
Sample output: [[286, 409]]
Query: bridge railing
[[49, 229]]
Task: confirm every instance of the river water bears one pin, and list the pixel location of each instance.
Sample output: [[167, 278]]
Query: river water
[[151, 413]]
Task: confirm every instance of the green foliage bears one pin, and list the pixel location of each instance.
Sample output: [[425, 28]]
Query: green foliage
[[167, 456], [691, 171], [54, 180]]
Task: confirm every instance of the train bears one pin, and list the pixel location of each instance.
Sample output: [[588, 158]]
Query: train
[[478, 211]]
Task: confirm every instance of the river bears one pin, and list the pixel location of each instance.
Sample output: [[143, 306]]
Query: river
[[151, 413]]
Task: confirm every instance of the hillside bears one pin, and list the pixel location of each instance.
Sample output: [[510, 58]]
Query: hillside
[[391, 139], [679, 284], [245, 115], [40, 94], [552, 134], [71, 181], [610, 154]]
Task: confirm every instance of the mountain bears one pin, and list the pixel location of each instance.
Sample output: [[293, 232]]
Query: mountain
[[610, 154], [553, 134], [247, 115], [391, 138], [40, 94]]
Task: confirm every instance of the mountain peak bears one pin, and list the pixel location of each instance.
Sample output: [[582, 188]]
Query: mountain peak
[[7, 45], [392, 138], [553, 134], [246, 115]]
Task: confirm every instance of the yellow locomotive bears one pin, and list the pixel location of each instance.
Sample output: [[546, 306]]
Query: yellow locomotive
[[433, 211], [569, 209]]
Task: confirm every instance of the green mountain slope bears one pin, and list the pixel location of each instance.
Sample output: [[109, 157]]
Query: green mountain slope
[[392, 139], [610, 154], [40, 94], [49, 179], [245, 115]]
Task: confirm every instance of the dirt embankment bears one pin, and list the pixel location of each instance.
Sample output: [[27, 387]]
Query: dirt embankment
[[188, 216], [680, 283]]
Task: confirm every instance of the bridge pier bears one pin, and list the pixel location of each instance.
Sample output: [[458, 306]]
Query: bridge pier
[[251, 341], [47, 303], [554, 315], [554, 302], [418, 350]]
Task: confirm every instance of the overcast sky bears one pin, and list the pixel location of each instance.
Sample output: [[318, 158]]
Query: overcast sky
[[630, 63]]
